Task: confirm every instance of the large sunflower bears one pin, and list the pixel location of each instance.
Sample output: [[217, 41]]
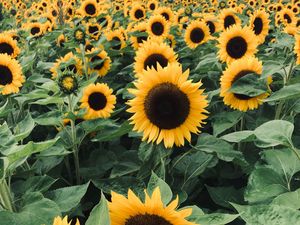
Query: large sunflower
[[236, 43], [98, 100], [9, 46], [63, 221], [132, 211], [167, 106], [11, 77], [297, 48], [158, 26], [235, 71], [196, 34], [228, 18], [103, 65], [152, 53], [259, 23]]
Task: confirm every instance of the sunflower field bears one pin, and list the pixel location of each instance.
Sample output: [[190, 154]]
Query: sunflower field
[[148, 112]]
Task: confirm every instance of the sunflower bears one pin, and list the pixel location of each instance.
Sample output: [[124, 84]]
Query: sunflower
[[11, 77], [93, 30], [235, 43], [61, 40], [74, 65], [152, 53], [259, 23], [68, 83], [137, 12], [132, 211], [158, 26], [101, 62], [166, 12], [89, 8], [228, 18], [105, 21], [98, 100], [35, 29], [63, 221], [235, 71], [152, 5], [297, 48], [167, 106], [196, 34], [79, 35], [9, 46], [139, 39], [117, 39], [287, 16], [212, 23]]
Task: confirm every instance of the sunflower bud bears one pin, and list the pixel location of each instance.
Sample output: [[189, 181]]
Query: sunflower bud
[[68, 83]]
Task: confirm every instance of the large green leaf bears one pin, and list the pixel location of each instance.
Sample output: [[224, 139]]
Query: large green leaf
[[288, 92], [99, 214], [24, 128], [216, 219], [225, 120], [239, 136], [6, 137], [289, 199]]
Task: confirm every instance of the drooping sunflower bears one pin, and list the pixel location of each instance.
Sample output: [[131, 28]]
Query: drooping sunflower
[[89, 8], [297, 48], [63, 221], [98, 101], [132, 211], [235, 71], [228, 18], [167, 106], [11, 77], [196, 34], [152, 53], [137, 12], [259, 23], [9, 46], [236, 43], [101, 62], [158, 26]]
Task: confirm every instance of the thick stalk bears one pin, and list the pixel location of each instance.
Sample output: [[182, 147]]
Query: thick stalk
[[5, 196]]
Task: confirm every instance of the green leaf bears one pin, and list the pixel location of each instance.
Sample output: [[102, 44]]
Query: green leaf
[[5, 109], [274, 133], [69, 197], [6, 137], [216, 219], [270, 68], [289, 199], [165, 190], [268, 214], [287, 92], [96, 125], [225, 120], [99, 214], [49, 100], [250, 85], [24, 128], [239, 136]]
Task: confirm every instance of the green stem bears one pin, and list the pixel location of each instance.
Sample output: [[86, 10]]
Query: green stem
[[296, 151], [5, 196], [241, 129], [85, 65]]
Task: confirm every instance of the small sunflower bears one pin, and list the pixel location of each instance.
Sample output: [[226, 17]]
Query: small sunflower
[[297, 48], [101, 62], [235, 71], [166, 12], [287, 16], [196, 34], [61, 40], [228, 18], [117, 39], [259, 23], [139, 39], [35, 29], [105, 21], [137, 12], [93, 30], [152, 5], [79, 35], [11, 77], [212, 23], [152, 53], [63, 221], [9, 46], [236, 43], [89, 8], [132, 211], [158, 26], [167, 106], [68, 83], [98, 100]]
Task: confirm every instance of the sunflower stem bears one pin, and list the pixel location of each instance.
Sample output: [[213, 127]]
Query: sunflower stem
[[85, 65], [5, 196], [241, 129]]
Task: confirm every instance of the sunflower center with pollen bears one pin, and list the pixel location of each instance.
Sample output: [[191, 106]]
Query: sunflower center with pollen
[[166, 106], [157, 28], [6, 76], [147, 219], [139, 14], [98, 66], [211, 26], [229, 20], [118, 43], [237, 77], [153, 59], [258, 25], [90, 9], [236, 47], [197, 35], [35, 30], [97, 101], [6, 48]]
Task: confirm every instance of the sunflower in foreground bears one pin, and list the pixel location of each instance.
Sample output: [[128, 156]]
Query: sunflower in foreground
[[236, 43], [235, 71], [11, 77], [167, 106], [152, 53], [9, 46], [132, 211], [98, 100], [297, 48], [259, 23], [196, 34], [63, 221]]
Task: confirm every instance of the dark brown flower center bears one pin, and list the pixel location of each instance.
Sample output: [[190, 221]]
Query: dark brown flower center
[[287, 18], [6, 48], [152, 6], [167, 107], [197, 35], [97, 101], [93, 29], [90, 9], [228, 21], [95, 59], [117, 45], [157, 28], [258, 25], [153, 59], [166, 15], [102, 20], [6, 76], [138, 14], [211, 26], [147, 219], [236, 47], [35, 30]]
